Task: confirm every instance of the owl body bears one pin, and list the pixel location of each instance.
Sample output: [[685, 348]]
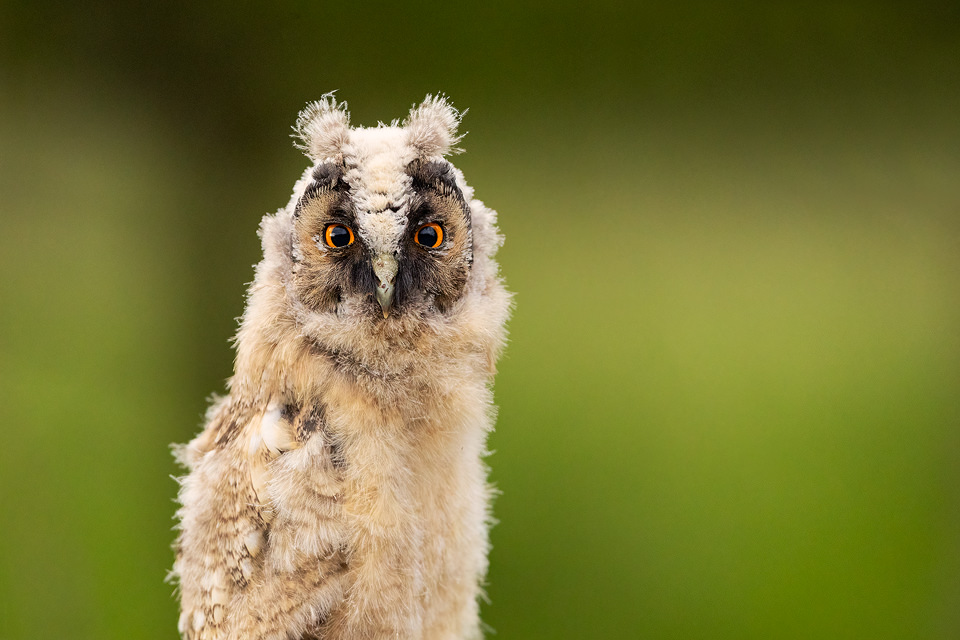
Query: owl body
[[338, 490]]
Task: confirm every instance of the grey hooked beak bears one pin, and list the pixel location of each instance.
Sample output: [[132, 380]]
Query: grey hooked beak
[[385, 268]]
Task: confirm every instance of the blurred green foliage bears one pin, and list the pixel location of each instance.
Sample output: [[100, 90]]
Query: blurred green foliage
[[729, 408]]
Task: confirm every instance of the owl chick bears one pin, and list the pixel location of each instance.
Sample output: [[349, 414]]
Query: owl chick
[[338, 489]]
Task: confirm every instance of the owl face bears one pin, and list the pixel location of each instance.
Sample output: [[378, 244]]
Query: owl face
[[383, 226], [402, 249]]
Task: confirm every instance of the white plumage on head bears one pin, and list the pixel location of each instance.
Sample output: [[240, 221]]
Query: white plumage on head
[[323, 128], [432, 127]]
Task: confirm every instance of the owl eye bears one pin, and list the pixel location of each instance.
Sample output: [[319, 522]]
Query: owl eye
[[429, 235], [338, 235]]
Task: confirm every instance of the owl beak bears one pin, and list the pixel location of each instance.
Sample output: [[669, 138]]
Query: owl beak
[[385, 268]]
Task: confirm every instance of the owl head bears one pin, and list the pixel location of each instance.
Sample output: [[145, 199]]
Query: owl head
[[383, 227], [381, 241]]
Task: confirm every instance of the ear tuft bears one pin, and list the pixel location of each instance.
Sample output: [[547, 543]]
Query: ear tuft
[[432, 127], [323, 128]]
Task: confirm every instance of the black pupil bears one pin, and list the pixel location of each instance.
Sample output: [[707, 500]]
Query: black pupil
[[339, 236], [427, 236]]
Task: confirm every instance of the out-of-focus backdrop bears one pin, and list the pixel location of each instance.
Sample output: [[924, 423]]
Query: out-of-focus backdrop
[[730, 407]]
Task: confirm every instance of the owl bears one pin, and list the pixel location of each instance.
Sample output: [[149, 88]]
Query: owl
[[338, 489]]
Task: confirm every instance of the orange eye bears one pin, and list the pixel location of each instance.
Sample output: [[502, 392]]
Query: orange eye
[[429, 235], [338, 235]]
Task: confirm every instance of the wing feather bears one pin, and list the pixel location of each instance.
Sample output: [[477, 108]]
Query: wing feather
[[260, 551]]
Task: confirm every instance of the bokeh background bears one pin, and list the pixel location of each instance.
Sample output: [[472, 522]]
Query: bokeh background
[[729, 408]]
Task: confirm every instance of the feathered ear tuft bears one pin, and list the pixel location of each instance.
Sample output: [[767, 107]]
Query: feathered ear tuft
[[323, 128], [432, 127]]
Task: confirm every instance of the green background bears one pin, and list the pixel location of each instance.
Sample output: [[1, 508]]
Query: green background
[[729, 407]]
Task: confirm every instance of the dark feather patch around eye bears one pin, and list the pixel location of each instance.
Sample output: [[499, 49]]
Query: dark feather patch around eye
[[326, 177], [435, 175], [362, 277]]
